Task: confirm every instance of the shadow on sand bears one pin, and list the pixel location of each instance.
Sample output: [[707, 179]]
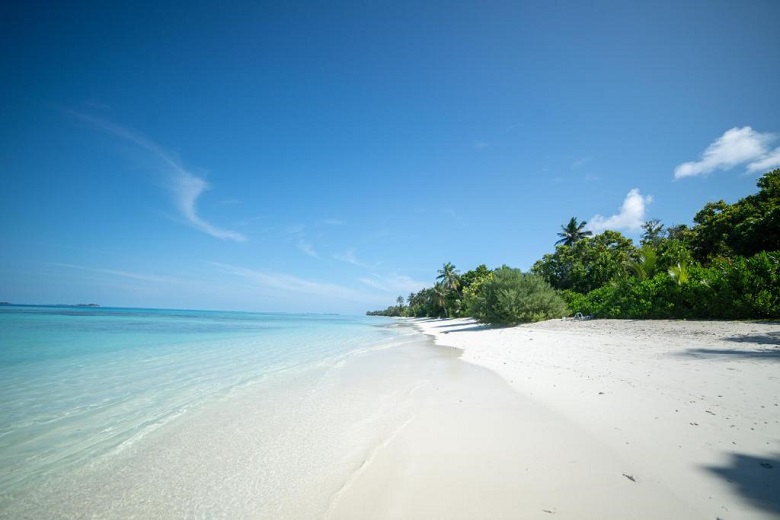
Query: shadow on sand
[[755, 479], [769, 338], [765, 354], [447, 327]]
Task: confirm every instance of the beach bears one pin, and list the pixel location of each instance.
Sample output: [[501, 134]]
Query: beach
[[287, 417], [610, 419]]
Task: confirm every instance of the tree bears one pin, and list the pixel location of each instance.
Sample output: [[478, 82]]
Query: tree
[[747, 227], [400, 302], [510, 297], [644, 267], [653, 233], [474, 276], [422, 304], [573, 232], [440, 298], [710, 235], [448, 276], [679, 232], [449, 281], [471, 286], [588, 264]]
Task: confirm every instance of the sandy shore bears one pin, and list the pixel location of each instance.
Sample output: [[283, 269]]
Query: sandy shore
[[612, 419]]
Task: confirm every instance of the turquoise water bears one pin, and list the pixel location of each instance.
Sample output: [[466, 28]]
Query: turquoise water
[[79, 384]]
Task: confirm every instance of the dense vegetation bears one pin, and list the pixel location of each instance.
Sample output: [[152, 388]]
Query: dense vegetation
[[726, 266]]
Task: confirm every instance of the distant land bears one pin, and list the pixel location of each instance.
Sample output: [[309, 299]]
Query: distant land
[[51, 305]]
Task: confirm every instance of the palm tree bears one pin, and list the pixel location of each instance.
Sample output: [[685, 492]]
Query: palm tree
[[645, 266], [573, 232], [439, 294], [449, 283], [679, 273], [448, 275]]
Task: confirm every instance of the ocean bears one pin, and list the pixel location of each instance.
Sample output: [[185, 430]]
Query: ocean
[[114, 412]]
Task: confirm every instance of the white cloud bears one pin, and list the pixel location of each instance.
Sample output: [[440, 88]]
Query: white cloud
[[185, 187], [630, 218], [768, 162], [735, 147]]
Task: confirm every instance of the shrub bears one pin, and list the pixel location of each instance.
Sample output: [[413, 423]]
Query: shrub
[[731, 288], [511, 297]]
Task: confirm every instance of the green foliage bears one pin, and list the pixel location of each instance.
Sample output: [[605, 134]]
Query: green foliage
[[744, 228], [670, 252], [424, 304], [646, 265], [736, 288], [473, 281], [746, 287], [653, 233], [510, 297], [727, 266], [447, 289], [448, 277], [679, 273], [475, 276], [588, 264]]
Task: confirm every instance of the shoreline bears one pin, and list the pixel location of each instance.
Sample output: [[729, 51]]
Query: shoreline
[[692, 408], [452, 419]]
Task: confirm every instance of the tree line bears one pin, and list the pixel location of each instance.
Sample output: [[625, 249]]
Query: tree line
[[725, 266]]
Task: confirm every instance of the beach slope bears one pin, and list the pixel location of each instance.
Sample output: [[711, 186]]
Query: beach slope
[[607, 419]]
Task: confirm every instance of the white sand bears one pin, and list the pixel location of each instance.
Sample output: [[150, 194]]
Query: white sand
[[613, 419]]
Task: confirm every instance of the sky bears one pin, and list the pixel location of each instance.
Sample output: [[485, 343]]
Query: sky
[[331, 156]]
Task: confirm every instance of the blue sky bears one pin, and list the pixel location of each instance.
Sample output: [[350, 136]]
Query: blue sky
[[330, 156]]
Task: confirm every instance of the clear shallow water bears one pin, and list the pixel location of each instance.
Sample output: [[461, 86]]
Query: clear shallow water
[[79, 385]]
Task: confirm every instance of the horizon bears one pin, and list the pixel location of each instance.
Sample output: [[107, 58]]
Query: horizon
[[327, 159], [113, 307]]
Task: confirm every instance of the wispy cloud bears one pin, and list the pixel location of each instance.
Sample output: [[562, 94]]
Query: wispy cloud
[[185, 187], [307, 248], [331, 222], [630, 217], [397, 284], [295, 284], [579, 163], [131, 275], [738, 146], [350, 257]]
